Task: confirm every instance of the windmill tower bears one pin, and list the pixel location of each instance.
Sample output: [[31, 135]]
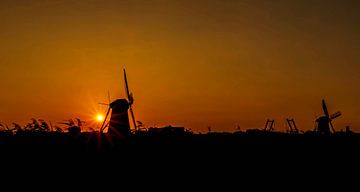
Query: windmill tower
[[119, 125], [324, 123]]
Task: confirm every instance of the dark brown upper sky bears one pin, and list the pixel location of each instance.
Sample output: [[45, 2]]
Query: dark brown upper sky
[[196, 63]]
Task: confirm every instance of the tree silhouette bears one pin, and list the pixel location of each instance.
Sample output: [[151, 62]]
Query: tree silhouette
[[17, 128], [37, 126]]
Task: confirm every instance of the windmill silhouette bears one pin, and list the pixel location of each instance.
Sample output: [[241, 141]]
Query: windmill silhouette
[[324, 123], [119, 125]]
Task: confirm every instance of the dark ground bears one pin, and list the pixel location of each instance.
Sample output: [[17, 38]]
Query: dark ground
[[263, 148], [213, 156]]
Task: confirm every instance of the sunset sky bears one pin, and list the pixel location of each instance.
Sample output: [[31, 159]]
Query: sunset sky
[[218, 63]]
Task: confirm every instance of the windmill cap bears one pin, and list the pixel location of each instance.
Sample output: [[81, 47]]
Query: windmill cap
[[120, 103]]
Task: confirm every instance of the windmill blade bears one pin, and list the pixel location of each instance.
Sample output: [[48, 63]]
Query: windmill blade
[[106, 125], [126, 86], [133, 117], [335, 115], [102, 126], [109, 100], [325, 109], [332, 127], [131, 99]]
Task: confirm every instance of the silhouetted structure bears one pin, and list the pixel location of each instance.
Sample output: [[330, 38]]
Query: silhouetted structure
[[119, 121], [269, 126], [292, 126], [119, 125], [324, 122]]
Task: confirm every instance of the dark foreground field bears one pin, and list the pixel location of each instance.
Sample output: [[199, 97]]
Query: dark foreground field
[[182, 159], [256, 146]]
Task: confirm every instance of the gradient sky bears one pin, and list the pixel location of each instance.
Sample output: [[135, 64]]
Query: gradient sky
[[217, 63]]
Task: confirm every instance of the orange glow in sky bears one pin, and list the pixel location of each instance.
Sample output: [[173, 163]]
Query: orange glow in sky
[[189, 63]]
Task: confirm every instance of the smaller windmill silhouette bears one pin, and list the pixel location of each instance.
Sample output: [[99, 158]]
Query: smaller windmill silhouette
[[324, 123]]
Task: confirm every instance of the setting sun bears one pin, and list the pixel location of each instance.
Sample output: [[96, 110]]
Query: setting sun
[[99, 117]]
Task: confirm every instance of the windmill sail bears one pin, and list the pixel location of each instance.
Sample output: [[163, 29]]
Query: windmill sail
[[325, 109], [106, 116], [127, 92], [324, 123], [332, 127], [130, 100], [335, 115]]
